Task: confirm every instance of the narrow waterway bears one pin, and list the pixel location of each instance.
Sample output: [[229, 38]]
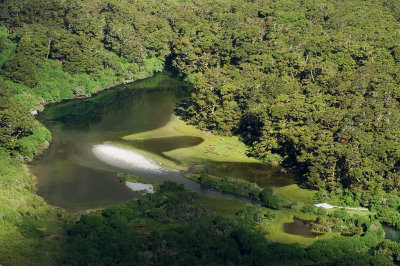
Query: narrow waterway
[[71, 173]]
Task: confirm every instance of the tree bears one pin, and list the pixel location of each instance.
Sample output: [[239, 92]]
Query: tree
[[15, 121]]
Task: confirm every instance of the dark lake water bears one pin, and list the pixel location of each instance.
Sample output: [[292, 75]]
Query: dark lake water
[[70, 176]]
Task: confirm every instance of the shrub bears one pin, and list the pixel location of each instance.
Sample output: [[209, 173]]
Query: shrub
[[321, 211], [308, 208], [229, 184], [266, 193], [341, 214], [273, 203]]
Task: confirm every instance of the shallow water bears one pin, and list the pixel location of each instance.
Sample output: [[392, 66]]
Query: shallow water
[[71, 176], [261, 174], [299, 227], [391, 233]]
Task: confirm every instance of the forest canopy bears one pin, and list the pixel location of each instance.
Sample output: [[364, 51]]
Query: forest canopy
[[310, 84]]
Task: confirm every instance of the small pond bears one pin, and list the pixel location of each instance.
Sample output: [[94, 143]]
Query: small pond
[[391, 233], [299, 227]]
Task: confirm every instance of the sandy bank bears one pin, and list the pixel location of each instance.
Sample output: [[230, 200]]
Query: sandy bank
[[124, 158], [140, 186]]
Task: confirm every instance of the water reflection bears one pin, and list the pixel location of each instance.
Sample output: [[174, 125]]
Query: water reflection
[[261, 174], [71, 176]]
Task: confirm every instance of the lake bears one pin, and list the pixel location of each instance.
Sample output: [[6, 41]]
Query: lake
[[71, 176]]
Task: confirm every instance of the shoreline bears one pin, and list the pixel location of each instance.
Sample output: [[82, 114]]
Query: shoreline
[[90, 95], [125, 158], [135, 186]]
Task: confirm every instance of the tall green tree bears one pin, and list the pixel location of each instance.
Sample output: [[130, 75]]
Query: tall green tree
[[15, 121]]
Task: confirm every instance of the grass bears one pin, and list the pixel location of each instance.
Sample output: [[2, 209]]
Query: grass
[[134, 178], [296, 194], [293, 193], [214, 148], [274, 227], [152, 156], [228, 149], [31, 231], [222, 206]]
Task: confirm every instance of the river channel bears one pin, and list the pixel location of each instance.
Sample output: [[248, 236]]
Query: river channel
[[71, 176]]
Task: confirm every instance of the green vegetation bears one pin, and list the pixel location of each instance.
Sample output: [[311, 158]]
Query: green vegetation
[[345, 223], [184, 233], [133, 178], [385, 205], [269, 199], [31, 232], [310, 84], [222, 206], [314, 89], [15, 121], [390, 249], [213, 148], [296, 194], [240, 187], [229, 184]]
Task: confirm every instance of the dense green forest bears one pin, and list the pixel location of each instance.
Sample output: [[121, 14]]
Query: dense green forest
[[183, 233], [310, 84]]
